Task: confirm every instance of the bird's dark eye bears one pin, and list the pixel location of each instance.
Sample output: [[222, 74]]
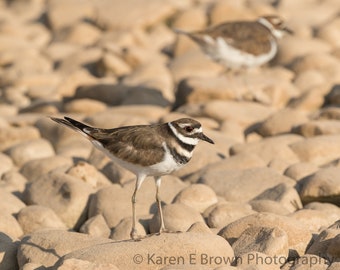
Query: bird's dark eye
[[188, 129]]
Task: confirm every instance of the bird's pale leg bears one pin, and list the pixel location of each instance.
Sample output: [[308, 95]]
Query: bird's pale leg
[[139, 181], [159, 205]]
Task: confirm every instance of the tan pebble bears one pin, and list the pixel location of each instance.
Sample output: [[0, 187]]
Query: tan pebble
[[270, 241], [96, 226], [85, 106], [269, 206], [67, 196], [298, 236], [81, 57], [315, 220], [258, 260], [229, 11], [112, 65], [317, 150], [177, 217], [63, 14], [76, 264], [144, 76], [9, 203], [197, 196], [33, 169], [243, 185], [321, 127], [308, 79], [6, 164], [330, 32], [327, 180], [282, 122], [143, 10], [290, 48], [35, 248], [88, 174], [10, 136], [178, 245], [225, 213], [300, 170], [199, 227], [193, 62], [323, 243], [13, 182], [9, 226], [83, 34], [30, 150], [123, 229], [73, 80], [283, 193], [59, 50], [270, 148], [36, 217]]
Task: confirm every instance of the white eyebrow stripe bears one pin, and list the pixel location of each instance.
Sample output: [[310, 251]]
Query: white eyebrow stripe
[[183, 139]]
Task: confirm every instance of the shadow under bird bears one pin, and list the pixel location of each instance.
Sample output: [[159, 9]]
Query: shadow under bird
[[241, 44], [145, 150]]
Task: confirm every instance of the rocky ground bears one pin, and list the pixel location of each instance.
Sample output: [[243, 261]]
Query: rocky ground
[[265, 196]]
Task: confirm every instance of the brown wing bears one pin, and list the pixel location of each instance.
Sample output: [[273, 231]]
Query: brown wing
[[251, 37], [135, 144]]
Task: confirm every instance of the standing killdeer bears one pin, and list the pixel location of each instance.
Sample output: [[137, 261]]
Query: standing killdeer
[[241, 44], [145, 150]]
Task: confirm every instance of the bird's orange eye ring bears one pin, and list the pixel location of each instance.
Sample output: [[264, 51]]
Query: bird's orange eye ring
[[189, 129]]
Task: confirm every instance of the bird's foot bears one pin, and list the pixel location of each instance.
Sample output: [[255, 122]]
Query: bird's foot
[[163, 230], [135, 236]]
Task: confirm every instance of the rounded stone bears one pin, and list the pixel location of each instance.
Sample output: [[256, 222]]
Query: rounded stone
[[197, 196], [30, 150], [177, 217], [36, 217], [67, 196]]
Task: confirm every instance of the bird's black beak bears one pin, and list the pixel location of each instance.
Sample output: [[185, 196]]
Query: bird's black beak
[[203, 137]]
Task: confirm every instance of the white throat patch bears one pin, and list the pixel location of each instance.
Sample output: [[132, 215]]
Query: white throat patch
[[276, 32]]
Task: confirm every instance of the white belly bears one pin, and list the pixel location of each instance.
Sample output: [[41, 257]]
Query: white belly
[[230, 57], [166, 166]]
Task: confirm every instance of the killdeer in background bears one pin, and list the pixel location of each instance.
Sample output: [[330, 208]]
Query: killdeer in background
[[145, 150], [241, 44]]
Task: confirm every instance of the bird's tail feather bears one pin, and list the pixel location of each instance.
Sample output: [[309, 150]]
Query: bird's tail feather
[[75, 125]]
